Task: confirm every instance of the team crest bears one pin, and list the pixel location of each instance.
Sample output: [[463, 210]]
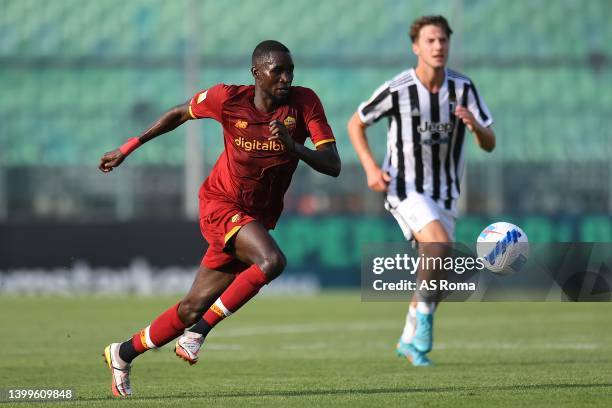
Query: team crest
[[415, 112], [241, 124], [289, 122], [236, 218], [452, 104]]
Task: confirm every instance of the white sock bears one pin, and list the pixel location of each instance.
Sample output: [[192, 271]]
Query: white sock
[[409, 328], [117, 358], [426, 307]]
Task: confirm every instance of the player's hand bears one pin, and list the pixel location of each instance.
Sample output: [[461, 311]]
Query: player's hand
[[111, 160], [378, 180], [279, 132], [466, 117]]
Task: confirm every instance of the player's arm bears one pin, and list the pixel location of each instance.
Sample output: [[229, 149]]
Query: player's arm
[[325, 159], [485, 136], [377, 178], [170, 120]]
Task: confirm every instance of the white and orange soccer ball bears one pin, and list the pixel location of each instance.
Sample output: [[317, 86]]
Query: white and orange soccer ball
[[504, 248]]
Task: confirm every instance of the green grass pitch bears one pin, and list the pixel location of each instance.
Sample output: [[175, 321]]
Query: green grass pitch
[[328, 350]]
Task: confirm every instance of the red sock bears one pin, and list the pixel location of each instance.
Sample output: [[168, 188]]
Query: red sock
[[241, 290], [164, 329]]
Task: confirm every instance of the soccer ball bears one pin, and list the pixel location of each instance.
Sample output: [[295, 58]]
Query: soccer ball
[[504, 248]]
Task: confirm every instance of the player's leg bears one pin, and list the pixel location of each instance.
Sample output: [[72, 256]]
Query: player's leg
[[433, 242], [207, 286], [417, 336], [200, 299], [261, 260], [254, 246], [422, 220], [432, 231]]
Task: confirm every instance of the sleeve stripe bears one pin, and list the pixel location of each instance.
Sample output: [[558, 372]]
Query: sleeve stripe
[[320, 142], [483, 115], [373, 103], [191, 112]]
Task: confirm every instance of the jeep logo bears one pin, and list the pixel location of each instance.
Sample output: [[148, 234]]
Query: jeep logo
[[435, 127]]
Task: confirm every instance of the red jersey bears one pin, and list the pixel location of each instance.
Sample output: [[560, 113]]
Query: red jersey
[[253, 172]]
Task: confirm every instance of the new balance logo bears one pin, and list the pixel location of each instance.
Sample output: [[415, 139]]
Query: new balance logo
[[241, 124]]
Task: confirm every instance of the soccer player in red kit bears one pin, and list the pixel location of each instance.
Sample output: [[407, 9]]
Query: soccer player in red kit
[[264, 127]]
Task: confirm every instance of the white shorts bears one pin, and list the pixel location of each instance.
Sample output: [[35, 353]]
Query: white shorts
[[418, 210]]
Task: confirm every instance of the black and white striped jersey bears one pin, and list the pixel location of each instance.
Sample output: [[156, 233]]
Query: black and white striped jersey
[[425, 141]]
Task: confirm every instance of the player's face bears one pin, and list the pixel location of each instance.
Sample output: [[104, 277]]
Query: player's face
[[274, 75], [432, 46]]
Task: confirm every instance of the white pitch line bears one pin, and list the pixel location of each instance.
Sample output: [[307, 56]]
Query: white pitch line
[[307, 328], [392, 324], [222, 346], [516, 346]]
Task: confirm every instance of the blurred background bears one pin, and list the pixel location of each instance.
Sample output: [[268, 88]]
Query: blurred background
[[78, 77]]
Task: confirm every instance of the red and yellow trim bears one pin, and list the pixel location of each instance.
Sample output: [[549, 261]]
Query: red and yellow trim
[[320, 142], [231, 233], [217, 310], [143, 339], [191, 113]]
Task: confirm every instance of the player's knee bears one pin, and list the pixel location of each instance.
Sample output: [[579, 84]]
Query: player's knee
[[273, 264], [190, 310]]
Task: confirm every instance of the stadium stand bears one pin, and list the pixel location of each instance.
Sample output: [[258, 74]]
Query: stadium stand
[[78, 77]]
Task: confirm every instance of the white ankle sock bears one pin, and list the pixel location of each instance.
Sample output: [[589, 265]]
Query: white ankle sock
[[409, 327], [426, 307]]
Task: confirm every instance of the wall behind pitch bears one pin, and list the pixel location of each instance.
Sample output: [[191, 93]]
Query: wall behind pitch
[[328, 247]]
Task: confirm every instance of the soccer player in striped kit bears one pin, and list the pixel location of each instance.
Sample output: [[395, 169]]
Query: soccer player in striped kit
[[428, 109]]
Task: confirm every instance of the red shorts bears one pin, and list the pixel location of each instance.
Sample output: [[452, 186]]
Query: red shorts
[[220, 222]]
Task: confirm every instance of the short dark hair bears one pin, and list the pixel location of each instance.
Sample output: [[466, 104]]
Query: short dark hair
[[266, 47], [421, 22]]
